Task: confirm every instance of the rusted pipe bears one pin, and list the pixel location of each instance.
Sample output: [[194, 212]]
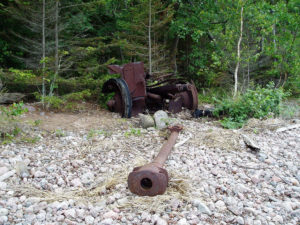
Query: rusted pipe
[[152, 179]]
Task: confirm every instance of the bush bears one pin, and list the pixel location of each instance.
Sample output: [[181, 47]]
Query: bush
[[78, 96], [258, 103], [9, 127]]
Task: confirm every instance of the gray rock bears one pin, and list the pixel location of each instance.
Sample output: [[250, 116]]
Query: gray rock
[[240, 220], [107, 221], [3, 185], [6, 98], [296, 213], [76, 182], [87, 178], [201, 207], [262, 156], [89, 220], [3, 170], [161, 119], [250, 143], [3, 212], [39, 174], [220, 205], [183, 221], [146, 121], [3, 219], [22, 169], [70, 213]]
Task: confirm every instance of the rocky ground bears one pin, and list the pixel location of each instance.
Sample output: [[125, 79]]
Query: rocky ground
[[76, 173]]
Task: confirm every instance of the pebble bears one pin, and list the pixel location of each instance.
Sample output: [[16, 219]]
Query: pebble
[[110, 214], [70, 213], [76, 182], [209, 183], [220, 205], [3, 185], [87, 178], [89, 220], [39, 174], [107, 221], [3, 212], [3, 219], [161, 221], [183, 221], [3, 170], [240, 220], [201, 207]]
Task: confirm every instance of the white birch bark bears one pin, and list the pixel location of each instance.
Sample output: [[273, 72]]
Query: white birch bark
[[149, 39], [43, 49], [238, 55]]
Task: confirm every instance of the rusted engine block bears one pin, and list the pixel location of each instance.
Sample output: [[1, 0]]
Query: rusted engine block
[[132, 96]]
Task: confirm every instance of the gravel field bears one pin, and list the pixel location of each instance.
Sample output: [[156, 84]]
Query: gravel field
[[77, 173]]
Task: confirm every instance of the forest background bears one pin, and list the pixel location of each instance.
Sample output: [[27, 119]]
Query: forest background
[[54, 47]]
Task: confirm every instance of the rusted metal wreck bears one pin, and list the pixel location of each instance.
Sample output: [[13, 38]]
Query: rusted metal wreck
[[152, 179], [133, 96]]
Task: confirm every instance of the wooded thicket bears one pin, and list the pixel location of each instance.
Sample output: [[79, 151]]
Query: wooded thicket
[[217, 43]]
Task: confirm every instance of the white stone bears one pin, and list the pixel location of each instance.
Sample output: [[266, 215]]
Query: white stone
[[70, 213], [201, 207], [107, 221], [146, 121], [220, 205], [89, 220], [3, 170], [183, 221], [87, 178], [3, 219], [278, 219], [161, 221], [111, 214], [60, 218], [3, 211], [240, 220], [76, 182], [161, 119], [39, 174], [80, 213], [3, 185]]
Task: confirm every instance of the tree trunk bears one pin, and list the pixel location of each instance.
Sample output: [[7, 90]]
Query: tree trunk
[[44, 49], [238, 55], [149, 37], [56, 70]]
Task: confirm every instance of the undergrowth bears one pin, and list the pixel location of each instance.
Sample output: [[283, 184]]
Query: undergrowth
[[257, 103], [9, 126]]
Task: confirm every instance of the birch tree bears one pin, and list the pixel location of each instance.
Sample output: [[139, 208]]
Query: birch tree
[[238, 54]]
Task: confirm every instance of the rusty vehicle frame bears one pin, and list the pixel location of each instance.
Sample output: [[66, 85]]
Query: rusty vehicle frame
[[132, 95]]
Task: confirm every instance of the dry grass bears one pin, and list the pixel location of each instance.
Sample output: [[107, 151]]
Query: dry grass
[[178, 189]]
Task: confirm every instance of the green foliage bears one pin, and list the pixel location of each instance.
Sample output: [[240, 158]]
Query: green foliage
[[194, 38], [60, 133], [21, 75], [9, 128], [92, 133], [258, 103], [132, 131], [14, 110], [78, 96], [53, 102], [208, 95]]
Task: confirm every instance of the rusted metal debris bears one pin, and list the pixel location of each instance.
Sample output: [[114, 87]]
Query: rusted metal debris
[[152, 179], [132, 96]]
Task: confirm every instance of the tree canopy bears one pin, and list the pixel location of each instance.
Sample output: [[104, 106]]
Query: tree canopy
[[193, 38]]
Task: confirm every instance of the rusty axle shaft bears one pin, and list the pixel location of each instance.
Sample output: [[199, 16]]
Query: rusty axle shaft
[[152, 179]]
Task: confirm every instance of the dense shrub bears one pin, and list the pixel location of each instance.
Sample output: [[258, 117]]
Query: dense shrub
[[257, 103]]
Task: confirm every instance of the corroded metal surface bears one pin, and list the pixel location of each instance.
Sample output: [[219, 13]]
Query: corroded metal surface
[[152, 179], [171, 94]]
